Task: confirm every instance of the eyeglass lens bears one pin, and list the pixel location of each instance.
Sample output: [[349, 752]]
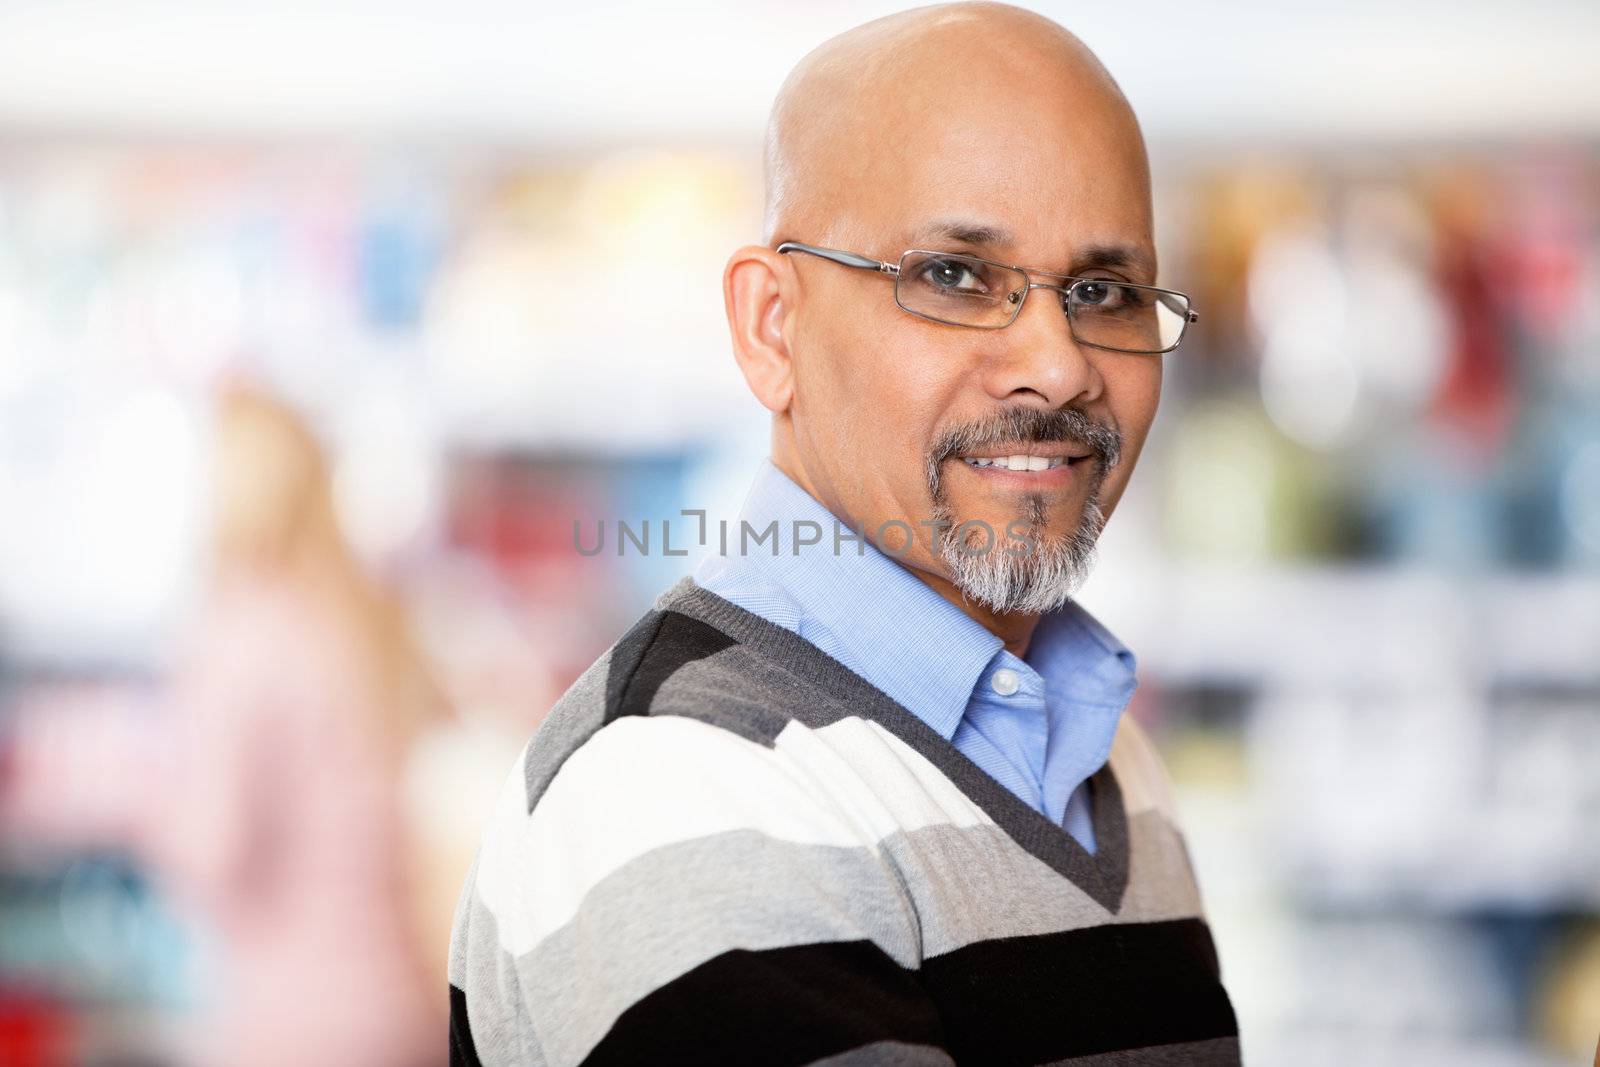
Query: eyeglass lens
[[966, 291]]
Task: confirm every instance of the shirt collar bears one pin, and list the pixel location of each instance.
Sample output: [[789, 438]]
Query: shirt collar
[[1080, 660], [889, 626], [884, 623]]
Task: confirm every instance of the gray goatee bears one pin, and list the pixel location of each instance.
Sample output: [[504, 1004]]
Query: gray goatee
[[983, 563]]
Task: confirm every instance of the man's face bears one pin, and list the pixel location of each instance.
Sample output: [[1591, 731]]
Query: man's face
[[1042, 180]]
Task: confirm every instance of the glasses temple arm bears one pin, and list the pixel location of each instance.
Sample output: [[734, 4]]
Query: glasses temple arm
[[848, 259], [1178, 306]]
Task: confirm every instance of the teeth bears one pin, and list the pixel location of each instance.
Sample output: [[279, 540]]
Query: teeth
[[1016, 463]]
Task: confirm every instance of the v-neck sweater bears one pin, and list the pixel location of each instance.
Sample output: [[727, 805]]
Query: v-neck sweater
[[724, 846], [1040, 723]]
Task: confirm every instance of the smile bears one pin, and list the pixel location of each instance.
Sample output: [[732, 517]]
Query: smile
[[1034, 459], [1015, 463]]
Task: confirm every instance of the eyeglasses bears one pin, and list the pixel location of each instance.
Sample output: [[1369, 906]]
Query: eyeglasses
[[962, 290]]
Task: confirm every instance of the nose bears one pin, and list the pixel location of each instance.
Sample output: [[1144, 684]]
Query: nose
[[1037, 358]]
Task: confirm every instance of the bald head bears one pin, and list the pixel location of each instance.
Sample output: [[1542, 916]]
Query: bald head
[[974, 132], [950, 78]]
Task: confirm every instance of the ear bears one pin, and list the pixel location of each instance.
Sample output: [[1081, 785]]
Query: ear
[[754, 285]]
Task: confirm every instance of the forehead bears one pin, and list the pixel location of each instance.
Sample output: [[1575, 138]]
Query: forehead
[[1048, 173], [1131, 256]]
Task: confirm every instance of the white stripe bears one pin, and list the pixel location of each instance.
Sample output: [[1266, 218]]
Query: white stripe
[[877, 778], [642, 783], [496, 881]]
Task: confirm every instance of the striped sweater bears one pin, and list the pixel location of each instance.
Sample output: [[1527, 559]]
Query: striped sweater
[[723, 846]]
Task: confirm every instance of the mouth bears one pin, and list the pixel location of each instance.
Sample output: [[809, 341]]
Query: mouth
[[1030, 463]]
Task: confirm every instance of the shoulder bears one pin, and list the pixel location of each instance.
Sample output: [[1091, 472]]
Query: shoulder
[[668, 858], [668, 666], [690, 775], [647, 805], [676, 734]]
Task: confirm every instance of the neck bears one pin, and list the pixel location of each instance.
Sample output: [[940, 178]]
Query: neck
[[1015, 629]]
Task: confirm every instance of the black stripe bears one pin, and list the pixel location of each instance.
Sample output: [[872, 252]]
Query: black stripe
[[1021, 1000], [1212, 1052], [776, 1006], [624, 659], [463, 1053], [649, 654], [1100, 989]]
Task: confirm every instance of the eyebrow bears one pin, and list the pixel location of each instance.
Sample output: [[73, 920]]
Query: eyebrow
[[982, 235], [964, 232], [1124, 257]]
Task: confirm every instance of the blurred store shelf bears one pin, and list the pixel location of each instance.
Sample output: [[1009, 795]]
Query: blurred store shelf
[[1353, 628], [1359, 566]]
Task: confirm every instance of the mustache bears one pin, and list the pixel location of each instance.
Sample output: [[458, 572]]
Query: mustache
[[1027, 425]]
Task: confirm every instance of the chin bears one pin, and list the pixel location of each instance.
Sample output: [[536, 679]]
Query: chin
[[1047, 562], [1034, 516]]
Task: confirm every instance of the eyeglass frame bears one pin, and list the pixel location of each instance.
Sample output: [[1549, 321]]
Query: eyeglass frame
[[861, 262]]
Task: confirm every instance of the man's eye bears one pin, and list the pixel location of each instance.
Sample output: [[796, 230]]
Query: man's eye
[[952, 274], [1104, 295]]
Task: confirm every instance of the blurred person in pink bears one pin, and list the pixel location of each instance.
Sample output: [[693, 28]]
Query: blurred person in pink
[[280, 825]]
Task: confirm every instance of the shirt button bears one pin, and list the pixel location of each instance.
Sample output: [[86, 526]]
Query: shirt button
[[1005, 681]]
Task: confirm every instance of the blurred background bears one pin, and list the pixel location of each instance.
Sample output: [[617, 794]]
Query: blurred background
[[321, 326]]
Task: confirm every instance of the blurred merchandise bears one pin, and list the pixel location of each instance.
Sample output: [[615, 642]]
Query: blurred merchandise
[[1359, 564]]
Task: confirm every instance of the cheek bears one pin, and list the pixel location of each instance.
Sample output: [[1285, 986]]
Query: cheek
[[916, 388], [1132, 388], [1133, 392], [877, 387], [840, 365]]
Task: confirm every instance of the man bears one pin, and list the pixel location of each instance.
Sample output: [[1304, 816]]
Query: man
[[873, 800]]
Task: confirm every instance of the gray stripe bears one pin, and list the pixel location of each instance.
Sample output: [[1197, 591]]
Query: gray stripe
[[496, 1010], [666, 912], [460, 926], [975, 883], [571, 721], [736, 689], [1161, 884], [1215, 1052], [784, 648], [699, 689], [889, 1054]]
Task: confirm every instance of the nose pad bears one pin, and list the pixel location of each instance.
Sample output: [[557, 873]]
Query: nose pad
[[1016, 295], [1063, 296]]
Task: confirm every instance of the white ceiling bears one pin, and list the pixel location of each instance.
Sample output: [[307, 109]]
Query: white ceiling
[[604, 72]]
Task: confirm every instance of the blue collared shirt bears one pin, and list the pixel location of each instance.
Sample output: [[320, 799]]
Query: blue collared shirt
[[1039, 725]]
